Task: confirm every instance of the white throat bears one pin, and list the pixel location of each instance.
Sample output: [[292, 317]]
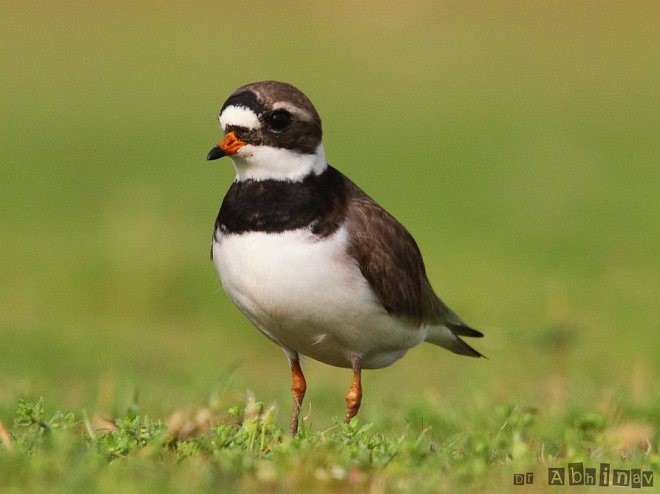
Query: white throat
[[269, 163]]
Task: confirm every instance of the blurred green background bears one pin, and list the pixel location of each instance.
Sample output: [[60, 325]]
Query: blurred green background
[[518, 142]]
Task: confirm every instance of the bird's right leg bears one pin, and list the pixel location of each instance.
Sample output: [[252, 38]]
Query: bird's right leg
[[298, 388]]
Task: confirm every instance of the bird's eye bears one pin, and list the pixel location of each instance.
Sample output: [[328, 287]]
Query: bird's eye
[[279, 120]]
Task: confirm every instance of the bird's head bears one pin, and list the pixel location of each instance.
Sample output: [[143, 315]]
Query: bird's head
[[271, 131]]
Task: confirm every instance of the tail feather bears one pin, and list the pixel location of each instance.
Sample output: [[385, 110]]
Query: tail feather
[[464, 330], [448, 337]]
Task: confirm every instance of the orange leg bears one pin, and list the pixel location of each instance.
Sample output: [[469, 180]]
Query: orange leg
[[354, 394], [298, 388]]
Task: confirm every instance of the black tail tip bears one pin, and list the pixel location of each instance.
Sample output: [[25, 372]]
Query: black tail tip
[[465, 330]]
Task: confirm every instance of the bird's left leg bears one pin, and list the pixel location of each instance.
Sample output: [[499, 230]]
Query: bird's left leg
[[354, 394]]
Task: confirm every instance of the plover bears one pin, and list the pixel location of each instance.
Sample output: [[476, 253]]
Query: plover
[[313, 262]]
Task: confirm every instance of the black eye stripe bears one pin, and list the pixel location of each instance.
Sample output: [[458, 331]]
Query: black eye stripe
[[252, 136]]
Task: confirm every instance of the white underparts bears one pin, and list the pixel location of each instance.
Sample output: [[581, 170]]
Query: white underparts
[[305, 293]]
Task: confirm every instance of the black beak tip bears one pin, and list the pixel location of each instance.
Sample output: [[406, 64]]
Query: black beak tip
[[215, 153]]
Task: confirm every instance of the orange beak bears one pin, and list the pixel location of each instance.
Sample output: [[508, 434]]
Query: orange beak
[[229, 146]]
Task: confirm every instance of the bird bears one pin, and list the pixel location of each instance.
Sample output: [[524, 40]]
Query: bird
[[310, 259]]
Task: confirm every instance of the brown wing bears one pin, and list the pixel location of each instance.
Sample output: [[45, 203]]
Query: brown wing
[[390, 260]]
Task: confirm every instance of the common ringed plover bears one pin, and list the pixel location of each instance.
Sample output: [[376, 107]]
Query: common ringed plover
[[312, 261]]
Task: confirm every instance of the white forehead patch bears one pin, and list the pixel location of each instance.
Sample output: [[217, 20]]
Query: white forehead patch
[[239, 116]]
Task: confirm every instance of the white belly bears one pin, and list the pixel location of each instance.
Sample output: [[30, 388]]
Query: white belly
[[308, 296]]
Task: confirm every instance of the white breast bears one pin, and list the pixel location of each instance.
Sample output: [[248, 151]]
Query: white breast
[[308, 295]]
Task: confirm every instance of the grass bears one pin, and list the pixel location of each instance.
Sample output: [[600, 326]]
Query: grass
[[517, 142], [242, 449]]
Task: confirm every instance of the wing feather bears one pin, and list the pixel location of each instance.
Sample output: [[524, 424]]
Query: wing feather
[[391, 261]]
